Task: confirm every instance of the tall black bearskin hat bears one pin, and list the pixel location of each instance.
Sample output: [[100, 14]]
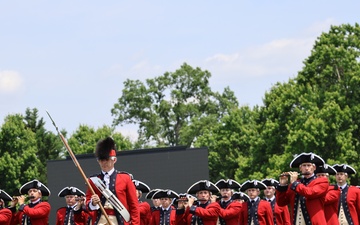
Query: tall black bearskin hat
[[105, 149]]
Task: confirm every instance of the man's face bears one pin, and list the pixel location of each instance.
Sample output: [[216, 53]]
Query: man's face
[[226, 193], [107, 164], [138, 194], [326, 175], [165, 202], [70, 200], [34, 194], [269, 192], [203, 195], [253, 192], [156, 202], [240, 200], [341, 178], [307, 168]]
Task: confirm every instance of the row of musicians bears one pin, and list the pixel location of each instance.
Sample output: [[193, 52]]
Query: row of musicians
[[297, 201], [200, 205]]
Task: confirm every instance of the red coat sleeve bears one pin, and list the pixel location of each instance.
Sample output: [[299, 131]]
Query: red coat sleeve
[[41, 210], [5, 216], [145, 213], [211, 211], [314, 191], [233, 210], [129, 197], [282, 215]]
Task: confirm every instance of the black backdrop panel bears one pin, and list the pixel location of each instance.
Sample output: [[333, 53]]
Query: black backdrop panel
[[175, 168]]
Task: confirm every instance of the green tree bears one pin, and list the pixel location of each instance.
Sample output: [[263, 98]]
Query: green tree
[[84, 139], [172, 109], [229, 143], [328, 106], [19, 162], [317, 111]]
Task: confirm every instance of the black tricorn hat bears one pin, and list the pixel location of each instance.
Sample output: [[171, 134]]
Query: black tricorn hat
[[34, 184], [270, 182], [306, 158], [344, 168], [165, 194], [203, 185], [70, 191], [5, 196], [240, 195], [229, 183], [325, 169], [141, 186], [252, 184], [105, 149], [151, 193]]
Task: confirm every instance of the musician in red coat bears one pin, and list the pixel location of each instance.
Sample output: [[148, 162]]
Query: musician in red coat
[[332, 195], [156, 203], [165, 215], [144, 207], [37, 211], [229, 209], [240, 197], [204, 211], [256, 211], [349, 200], [5, 213], [119, 183], [306, 195], [73, 213], [281, 213]]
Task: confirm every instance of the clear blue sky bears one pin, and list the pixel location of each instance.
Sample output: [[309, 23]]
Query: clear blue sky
[[72, 57]]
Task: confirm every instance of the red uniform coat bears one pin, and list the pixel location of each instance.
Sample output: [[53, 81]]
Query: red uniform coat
[[231, 214], [353, 202], [264, 213], [331, 205], [5, 216], [155, 217], [314, 194], [209, 215], [80, 217], [125, 192], [39, 214], [282, 215], [145, 213]]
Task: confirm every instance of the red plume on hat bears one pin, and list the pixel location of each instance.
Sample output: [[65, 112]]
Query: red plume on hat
[[105, 148]]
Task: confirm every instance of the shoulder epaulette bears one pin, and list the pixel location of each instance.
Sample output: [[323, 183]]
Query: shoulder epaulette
[[124, 172]]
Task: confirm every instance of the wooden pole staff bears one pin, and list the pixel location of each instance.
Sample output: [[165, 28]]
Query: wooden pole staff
[[79, 167]]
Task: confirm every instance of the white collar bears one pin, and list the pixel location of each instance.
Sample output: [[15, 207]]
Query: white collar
[[110, 172]]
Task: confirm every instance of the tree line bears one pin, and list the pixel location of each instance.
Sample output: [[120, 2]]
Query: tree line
[[317, 111]]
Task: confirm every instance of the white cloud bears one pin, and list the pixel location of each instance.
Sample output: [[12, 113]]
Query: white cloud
[[281, 57], [10, 81]]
